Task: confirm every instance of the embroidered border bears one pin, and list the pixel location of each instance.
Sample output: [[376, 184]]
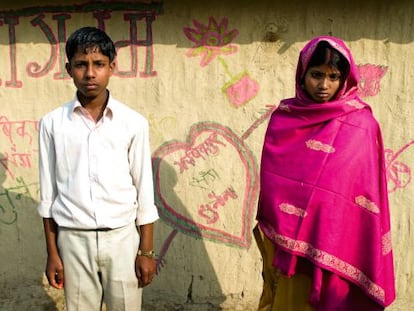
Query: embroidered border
[[367, 204], [329, 260], [319, 146], [292, 210]]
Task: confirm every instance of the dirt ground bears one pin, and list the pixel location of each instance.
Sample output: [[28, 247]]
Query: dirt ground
[[32, 297]]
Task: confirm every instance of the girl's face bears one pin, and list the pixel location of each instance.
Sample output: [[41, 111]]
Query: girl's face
[[322, 82]]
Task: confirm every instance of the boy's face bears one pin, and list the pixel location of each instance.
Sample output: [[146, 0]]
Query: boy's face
[[90, 72]]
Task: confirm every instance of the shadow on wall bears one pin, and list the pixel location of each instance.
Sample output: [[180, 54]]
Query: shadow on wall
[[22, 247], [185, 275], [280, 24], [270, 21]]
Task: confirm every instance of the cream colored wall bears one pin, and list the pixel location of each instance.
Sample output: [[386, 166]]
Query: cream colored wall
[[208, 110]]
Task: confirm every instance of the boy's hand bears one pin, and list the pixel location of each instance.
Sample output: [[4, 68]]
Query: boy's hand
[[145, 270], [54, 271]]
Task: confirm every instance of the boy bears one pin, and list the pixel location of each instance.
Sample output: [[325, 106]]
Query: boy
[[96, 187]]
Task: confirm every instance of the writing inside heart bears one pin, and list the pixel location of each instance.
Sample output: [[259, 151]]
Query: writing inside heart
[[207, 186]]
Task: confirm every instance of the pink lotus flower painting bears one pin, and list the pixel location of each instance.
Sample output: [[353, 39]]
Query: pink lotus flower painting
[[211, 40], [214, 40]]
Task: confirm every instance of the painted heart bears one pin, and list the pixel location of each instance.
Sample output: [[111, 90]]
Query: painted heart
[[207, 186]]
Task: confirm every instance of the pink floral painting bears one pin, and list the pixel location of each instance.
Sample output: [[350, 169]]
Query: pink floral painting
[[211, 40], [214, 40], [241, 89], [398, 173], [370, 78]]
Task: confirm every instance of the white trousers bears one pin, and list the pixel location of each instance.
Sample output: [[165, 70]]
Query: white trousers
[[99, 268]]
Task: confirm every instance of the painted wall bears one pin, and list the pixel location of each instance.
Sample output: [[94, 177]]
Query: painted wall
[[207, 75]]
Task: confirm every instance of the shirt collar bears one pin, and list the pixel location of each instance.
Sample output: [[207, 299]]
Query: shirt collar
[[109, 109]]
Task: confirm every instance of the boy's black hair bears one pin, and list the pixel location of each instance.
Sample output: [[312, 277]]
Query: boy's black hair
[[324, 54], [90, 37]]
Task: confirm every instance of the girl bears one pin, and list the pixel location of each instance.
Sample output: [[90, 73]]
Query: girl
[[323, 215]]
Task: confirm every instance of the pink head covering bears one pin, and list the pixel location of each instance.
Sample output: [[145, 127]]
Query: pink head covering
[[350, 85], [323, 187]]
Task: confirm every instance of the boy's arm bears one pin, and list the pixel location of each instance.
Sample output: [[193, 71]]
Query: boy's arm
[[141, 170], [145, 266], [54, 265], [47, 165]]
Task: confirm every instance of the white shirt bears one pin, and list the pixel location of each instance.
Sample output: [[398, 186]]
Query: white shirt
[[95, 175]]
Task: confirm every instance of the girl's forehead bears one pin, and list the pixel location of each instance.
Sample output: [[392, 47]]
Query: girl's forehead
[[324, 68]]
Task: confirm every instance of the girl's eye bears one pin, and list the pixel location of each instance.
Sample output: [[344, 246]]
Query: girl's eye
[[320, 75], [334, 76], [317, 75]]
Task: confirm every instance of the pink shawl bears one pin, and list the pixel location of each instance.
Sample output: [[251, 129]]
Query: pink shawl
[[323, 189]]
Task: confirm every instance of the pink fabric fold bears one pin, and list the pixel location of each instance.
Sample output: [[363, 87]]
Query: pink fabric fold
[[324, 193]]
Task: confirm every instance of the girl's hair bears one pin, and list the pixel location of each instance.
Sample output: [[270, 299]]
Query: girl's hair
[[324, 54], [90, 37]]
